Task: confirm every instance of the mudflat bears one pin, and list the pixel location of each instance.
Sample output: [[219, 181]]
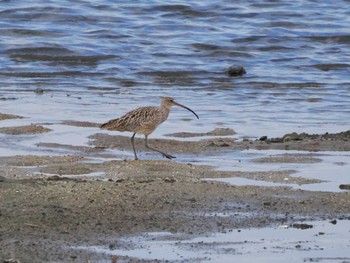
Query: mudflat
[[51, 204]]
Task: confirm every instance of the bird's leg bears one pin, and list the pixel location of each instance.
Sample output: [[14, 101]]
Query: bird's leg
[[164, 154], [133, 146]]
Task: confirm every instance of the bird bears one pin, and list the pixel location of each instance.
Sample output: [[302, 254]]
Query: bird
[[144, 120]]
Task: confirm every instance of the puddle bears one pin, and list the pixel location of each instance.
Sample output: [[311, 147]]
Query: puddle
[[321, 241], [333, 169], [60, 134], [239, 181]]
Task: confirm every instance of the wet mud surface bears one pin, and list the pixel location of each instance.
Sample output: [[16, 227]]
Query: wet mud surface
[[50, 204]]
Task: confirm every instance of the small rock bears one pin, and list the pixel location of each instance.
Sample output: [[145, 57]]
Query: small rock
[[169, 180], [263, 138], [302, 226], [344, 186], [334, 221], [119, 180], [54, 178], [235, 71]]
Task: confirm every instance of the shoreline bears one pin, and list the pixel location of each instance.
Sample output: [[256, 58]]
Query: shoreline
[[51, 204]]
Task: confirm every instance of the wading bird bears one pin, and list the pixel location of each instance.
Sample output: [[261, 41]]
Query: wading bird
[[144, 121]]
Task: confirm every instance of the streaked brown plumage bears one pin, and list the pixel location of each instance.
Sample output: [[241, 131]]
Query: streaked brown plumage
[[144, 121]]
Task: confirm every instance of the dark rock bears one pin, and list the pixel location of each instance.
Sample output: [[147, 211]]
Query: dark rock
[[235, 71], [334, 221], [344, 186], [302, 226], [263, 138], [54, 178]]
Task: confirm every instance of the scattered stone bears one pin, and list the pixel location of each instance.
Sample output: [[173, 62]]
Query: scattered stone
[[304, 136], [235, 71], [275, 140]]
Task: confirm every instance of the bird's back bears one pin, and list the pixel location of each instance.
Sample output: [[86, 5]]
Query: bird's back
[[141, 120]]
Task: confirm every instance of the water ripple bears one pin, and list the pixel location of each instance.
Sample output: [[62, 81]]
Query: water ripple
[[295, 54]]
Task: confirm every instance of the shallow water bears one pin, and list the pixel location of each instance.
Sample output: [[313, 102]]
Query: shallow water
[[333, 168], [324, 241], [97, 60]]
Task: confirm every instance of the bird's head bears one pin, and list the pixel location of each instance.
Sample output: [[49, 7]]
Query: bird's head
[[168, 102]]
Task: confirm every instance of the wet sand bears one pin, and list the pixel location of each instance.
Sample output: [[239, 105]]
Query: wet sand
[[50, 204]]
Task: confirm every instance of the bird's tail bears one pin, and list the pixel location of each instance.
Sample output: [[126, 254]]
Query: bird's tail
[[112, 125]]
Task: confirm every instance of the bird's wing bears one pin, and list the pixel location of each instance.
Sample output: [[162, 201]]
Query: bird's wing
[[134, 120]]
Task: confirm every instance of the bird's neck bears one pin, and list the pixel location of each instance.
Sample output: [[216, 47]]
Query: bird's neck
[[165, 112]]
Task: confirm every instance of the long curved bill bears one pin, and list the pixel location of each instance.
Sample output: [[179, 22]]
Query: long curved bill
[[182, 106]]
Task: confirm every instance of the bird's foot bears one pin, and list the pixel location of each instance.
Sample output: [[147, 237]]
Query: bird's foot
[[168, 156]]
